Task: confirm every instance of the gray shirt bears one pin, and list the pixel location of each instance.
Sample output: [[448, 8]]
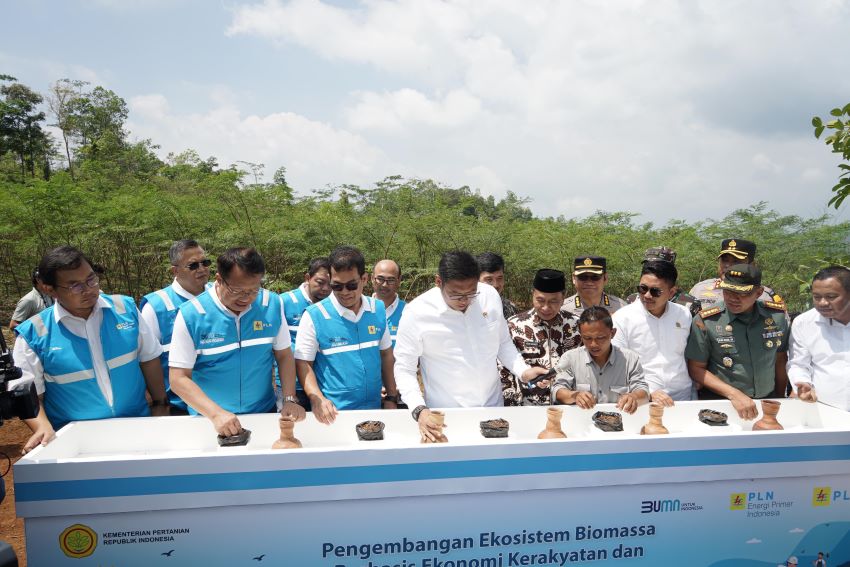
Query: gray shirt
[[30, 304], [620, 375], [575, 305]]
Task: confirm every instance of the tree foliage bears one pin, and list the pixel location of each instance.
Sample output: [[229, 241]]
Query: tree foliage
[[839, 139]]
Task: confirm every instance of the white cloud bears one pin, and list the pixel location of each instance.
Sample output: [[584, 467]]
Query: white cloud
[[314, 153], [753, 541], [406, 108], [797, 531]]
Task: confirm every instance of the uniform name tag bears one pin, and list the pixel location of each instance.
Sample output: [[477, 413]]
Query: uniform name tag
[[725, 339]]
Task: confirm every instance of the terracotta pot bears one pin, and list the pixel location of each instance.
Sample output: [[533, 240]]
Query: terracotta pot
[[654, 425], [439, 418], [494, 428], [769, 409], [553, 425], [287, 439]]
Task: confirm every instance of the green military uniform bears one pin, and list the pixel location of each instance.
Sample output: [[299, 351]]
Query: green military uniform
[[740, 349]]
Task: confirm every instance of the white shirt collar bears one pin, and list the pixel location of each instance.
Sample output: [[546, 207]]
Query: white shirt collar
[[364, 304], [391, 307], [60, 312], [649, 314], [305, 291], [821, 320], [180, 290]]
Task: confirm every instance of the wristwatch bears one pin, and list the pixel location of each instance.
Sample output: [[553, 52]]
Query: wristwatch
[[415, 413], [292, 399], [394, 398]]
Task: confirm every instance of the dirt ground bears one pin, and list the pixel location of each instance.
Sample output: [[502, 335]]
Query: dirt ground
[[13, 435]]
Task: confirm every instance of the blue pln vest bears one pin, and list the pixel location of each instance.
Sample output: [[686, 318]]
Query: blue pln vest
[[71, 391], [392, 320], [348, 363], [234, 368], [165, 303], [294, 305]]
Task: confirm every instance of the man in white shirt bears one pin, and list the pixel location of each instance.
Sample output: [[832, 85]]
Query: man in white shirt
[[657, 329], [90, 355], [455, 333], [191, 270], [819, 360]]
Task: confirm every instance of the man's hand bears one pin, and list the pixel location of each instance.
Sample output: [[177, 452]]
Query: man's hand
[[806, 392], [293, 411], [628, 403], [41, 436], [160, 410], [585, 400], [226, 423], [661, 397], [428, 428], [745, 406], [533, 373], [324, 409]]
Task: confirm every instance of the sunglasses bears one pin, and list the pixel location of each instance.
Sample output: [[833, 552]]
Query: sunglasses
[[653, 291], [195, 265], [589, 277], [350, 286]]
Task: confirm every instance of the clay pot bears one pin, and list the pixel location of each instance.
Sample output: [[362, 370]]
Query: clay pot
[[237, 440], [439, 418], [608, 420], [287, 439], [713, 418], [553, 425], [370, 430], [769, 409], [494, 428], [654, 425]]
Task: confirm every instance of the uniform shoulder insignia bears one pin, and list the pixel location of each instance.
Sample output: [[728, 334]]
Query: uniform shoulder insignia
[[774, 305], [778, 298], [709, 312]]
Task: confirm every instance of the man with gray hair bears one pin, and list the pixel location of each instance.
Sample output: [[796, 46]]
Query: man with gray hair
[[191, 270]]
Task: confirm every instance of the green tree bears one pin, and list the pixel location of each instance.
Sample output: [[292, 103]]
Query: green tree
[[20, 128], [839, 139]]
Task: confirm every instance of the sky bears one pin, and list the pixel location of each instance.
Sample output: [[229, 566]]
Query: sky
[[668, 109]]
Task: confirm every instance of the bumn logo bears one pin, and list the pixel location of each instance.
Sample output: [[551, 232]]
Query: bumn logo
[[648, 506]]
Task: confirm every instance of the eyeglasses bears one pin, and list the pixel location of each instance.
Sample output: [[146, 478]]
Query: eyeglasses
[[195, 265], [653, 291], [80, 287], [589, 277], [463, 296], [350, 286], [241, 292], [389, 281]]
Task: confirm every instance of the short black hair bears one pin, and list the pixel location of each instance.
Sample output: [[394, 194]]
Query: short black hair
[[840, 273], [596, 313], [179, 247], [347, 257], [317, 264], [59, 258], [248, 260], [35, 277], [661, 269], [458, 265], [490, 262]]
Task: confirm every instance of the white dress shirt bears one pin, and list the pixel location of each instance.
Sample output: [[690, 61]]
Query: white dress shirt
[[456, 351], [183, 351], [149, 315], [306, 344], [660, 342], [819, 353], [30, 364], [392, 306]]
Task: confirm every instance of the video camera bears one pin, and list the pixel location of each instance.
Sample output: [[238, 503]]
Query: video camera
[[22, 400]]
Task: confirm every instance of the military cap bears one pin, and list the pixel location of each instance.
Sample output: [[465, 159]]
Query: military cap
[[660, 253], [550, 281], [741, 278], [740, 249], [589, 265]]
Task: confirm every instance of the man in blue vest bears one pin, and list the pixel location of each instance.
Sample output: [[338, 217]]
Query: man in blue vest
[[343, 352], [191, 269], [386, 277], [225, 341], [316, 287], [91, 355]]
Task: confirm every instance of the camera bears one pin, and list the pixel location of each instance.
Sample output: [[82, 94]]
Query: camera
[[20, 401]]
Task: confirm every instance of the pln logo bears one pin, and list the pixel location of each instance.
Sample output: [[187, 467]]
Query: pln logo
[[78, 541], [373, 330], [825, 496], [738, 501]]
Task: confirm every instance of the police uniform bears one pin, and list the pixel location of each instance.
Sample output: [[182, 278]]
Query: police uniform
[[591, 265], [708, 291], [740, 349]]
